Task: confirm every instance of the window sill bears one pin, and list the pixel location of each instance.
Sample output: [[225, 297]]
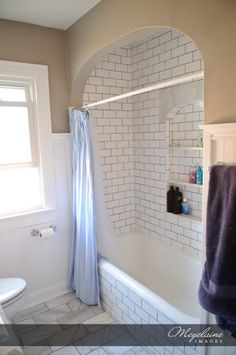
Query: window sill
[[27, 219]]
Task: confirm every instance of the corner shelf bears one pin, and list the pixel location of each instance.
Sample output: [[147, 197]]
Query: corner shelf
[[180, 182]]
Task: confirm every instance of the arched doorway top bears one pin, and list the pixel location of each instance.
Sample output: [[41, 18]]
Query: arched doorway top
[[133, 37]]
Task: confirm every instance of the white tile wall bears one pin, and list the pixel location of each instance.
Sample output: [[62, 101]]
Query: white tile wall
[[184, 131], [115, 135], [132, 137], [126, 306]]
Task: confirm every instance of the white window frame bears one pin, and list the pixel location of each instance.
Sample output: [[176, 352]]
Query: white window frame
[[36, 77], [28, 85]]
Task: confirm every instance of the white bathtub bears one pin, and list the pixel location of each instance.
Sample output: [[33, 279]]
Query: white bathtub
[[144, 281]]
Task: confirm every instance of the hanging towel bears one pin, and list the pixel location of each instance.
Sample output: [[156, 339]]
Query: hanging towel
[[217, 291]]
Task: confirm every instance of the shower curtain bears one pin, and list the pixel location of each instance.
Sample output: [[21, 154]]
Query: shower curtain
[[83, 269]]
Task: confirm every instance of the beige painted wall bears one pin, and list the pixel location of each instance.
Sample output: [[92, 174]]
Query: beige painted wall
[[34, 44], [210, 23]]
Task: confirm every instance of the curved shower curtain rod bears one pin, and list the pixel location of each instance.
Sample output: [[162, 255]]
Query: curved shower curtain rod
[[172, 82]]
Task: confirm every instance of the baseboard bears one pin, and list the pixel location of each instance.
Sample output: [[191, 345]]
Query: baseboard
[[45, 294]]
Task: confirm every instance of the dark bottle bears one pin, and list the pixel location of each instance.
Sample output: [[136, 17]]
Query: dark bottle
[[170, 196], [177, 201]]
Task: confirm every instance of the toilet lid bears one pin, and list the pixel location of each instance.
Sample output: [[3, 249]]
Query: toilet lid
[[10, 288]]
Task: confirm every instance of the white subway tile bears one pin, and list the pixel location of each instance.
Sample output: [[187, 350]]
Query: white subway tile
[[135, 298], [93, 80], [122, 288], [171, 63], [115, 75], [108, 65], [163, 319], [116, 293], [171, 44], [109, 82], [114, 58], [148, 54], [194, 66], [197, 226], [102, 73], [191, 46], [141, 313], [122, 307], [196, 244], [165, 56], [187, 58], [111, 279], [130, 130], [134, 316], [165, 37], [127, 320], [180, 70], [128, 302], [149, 309], [176, 52], [158, 50], [105, 152]]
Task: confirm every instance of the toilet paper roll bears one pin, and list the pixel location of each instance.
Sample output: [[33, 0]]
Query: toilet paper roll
[[46, 233]]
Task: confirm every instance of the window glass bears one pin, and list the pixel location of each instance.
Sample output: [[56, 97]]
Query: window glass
[[26, 148], [12, 94], [14, 135], [19, 190]]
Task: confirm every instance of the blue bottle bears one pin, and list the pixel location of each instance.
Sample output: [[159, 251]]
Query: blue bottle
[[199, 175], [185, 207]]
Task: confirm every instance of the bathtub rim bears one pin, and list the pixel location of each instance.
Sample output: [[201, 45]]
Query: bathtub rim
[[148, 295]]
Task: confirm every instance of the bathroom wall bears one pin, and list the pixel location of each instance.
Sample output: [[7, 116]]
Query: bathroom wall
[[132, 137], [43, 263], [23, 42], [210, 23], [184, 130], [115, 136], [162, 57]]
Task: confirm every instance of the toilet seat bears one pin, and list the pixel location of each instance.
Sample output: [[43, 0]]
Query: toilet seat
[[11, 288]]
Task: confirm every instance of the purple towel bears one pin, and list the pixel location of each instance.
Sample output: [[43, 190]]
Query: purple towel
[[217, 291]]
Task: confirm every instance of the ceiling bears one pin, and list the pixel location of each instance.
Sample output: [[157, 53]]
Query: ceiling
[[59, 14]]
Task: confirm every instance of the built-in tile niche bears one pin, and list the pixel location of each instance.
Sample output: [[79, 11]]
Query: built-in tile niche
[[184, 139], [185, 151]]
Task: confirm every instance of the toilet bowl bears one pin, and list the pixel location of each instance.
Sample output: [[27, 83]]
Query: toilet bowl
[[12, 294]]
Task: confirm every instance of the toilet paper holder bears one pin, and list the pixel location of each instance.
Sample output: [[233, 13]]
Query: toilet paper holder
[[36, 231]]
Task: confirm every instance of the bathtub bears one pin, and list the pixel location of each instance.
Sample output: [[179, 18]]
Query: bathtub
[[143, 281]]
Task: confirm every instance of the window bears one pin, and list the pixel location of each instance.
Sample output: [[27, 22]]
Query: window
[[26, 160]]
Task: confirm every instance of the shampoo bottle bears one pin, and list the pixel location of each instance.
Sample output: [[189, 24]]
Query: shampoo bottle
[[170, 196], [192, 175], [185, 207], [177, 201], [199, 175]]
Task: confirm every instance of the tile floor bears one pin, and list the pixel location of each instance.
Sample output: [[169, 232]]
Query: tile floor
[[66, 309]]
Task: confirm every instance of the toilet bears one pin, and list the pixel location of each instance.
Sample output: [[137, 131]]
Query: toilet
[[12, 295]]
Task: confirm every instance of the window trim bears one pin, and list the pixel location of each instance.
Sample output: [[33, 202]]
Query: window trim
[[30, 218], [29, 104], [37, 76]]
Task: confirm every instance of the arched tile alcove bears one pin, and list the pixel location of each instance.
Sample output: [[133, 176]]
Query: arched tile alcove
[[132, 132]]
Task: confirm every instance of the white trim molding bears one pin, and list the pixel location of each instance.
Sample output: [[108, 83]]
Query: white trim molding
[[37, 77]]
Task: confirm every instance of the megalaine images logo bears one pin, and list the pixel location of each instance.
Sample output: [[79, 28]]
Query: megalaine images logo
[[207, 336]]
